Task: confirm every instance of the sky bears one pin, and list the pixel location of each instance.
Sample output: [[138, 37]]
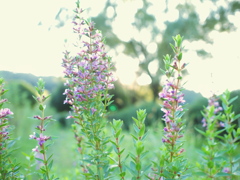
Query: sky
[[30, 42]]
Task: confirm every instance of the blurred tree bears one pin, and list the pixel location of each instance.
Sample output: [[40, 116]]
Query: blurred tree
[[20, 93], [57, 98], [236, 103], [187, 23], [31, 79]]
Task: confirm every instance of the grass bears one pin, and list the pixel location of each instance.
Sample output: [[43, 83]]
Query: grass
[[64, 148]]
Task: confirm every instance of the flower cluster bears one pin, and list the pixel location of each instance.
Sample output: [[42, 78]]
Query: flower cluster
[[4, 112], [88, 72], [4, 125], [9, 168], [40, 151], [173, 100], [172, 95], [89, 77], [213, 103], [40, 138]]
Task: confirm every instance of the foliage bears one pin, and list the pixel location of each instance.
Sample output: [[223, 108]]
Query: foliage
[[152, 109], [101, 154], [219, 161], [58, 98], [9, 168], [44, 162], [21, 93], [29, 79]]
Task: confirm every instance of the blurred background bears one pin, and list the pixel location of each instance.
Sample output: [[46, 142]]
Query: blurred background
[[34, 34]]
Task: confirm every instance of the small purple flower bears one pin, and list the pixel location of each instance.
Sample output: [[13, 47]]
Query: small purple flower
[[4, 112], [42, 139], [93, 110], [221, 124], [226, 170], [33, 136], [35, 149], [204, 122], [213, 102], [3, 101], [88, 72]]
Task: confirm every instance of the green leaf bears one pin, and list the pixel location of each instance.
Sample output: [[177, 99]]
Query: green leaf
[[237, 173], [142, 131], [41, 107], [139, 147], [136, 121], [114, 143], [200, 174], [118, 133], [220, 174], [121, 151], [132, 168], [49, 157], [41, 160], [210, 164], [136, 129], [2, 125], [134, 137], [117, 124], [50, 165], [201, 132], [236, 117], [47, 97], [173, 48], [233, 99], [138, 166], [180, 56], [122, 174]]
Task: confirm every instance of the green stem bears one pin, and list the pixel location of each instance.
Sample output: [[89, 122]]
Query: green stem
[[43, 147]]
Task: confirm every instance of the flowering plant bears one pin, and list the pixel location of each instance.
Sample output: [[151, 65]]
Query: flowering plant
[[171, 163], [110, 156], [231, 136], [9, 168], [44, 162], [89, 79]]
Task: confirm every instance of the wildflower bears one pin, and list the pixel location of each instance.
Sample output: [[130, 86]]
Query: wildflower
[[213, 103], [89, 78], [88, 72], [35, 149], [226, 170], [221, 124], [4, 112], [41, 139], [172, 107], [33, 136]]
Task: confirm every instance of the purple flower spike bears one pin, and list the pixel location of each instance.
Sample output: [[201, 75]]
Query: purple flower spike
[[4, 112], [213, 102], [89, 71]]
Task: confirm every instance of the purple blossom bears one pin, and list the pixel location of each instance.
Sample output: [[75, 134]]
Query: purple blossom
[[173, 100], [213, 102], [35, 149], [88, 72], [41, 138], [226, 170], [204, 122], [33, 136], [4, 112], [3, 101], [221, 124]]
